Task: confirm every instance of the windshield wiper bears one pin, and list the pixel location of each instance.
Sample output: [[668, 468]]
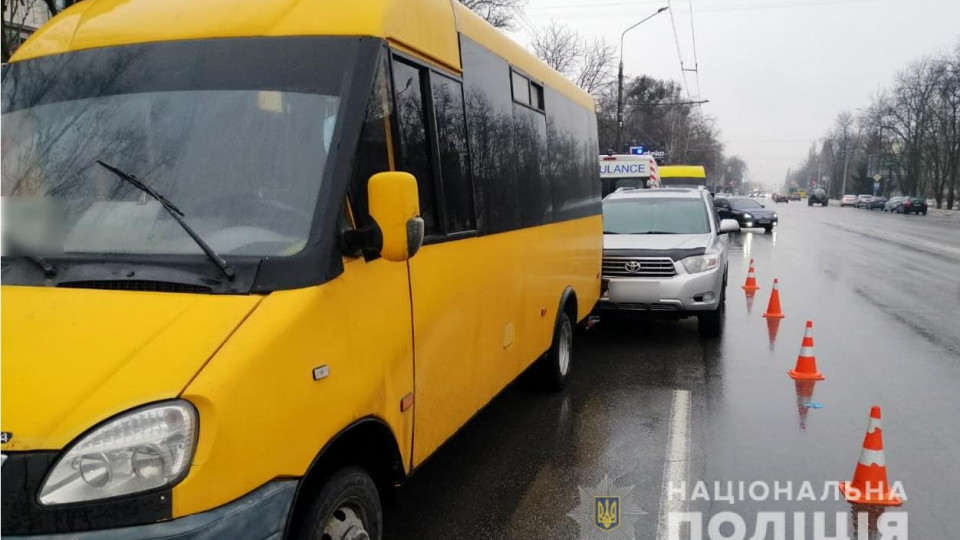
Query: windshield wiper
[[176, 214], [49, 270], [657, 232]]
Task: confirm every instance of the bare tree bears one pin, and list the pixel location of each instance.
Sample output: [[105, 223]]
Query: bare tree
[[596, 65], [844, 134], [499, 13], [587, 63], [559, 47]]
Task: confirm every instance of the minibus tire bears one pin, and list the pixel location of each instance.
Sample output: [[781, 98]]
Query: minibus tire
[[349, 490], [558, 361]]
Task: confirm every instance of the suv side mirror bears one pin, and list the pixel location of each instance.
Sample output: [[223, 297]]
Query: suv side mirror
[[395, 206], [729, 226]]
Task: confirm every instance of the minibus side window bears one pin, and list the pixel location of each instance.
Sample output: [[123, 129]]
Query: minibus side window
[[493, 152], [458, 209], [413, 139], [530, 132]]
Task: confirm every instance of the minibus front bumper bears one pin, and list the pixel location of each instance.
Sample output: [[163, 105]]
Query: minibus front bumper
[[260, 515]]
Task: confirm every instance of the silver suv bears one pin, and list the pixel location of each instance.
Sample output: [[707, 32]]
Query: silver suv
[[663, 253]]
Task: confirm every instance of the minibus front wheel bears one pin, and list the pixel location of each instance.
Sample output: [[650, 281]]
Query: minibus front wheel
[[346, 508]]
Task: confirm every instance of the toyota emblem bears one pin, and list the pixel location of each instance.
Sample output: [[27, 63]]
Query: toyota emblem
[[633, 267]]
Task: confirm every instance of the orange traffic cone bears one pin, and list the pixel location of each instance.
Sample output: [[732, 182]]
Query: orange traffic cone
[[869, 485], [751, 284], [773, 308], [806, 369]]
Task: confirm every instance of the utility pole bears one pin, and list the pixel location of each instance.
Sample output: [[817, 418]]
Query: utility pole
[[619, 147]]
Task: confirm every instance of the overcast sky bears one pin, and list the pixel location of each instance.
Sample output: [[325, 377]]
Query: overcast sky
[[776, 72]]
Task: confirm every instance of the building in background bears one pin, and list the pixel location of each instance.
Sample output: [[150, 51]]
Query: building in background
[[22, 18]]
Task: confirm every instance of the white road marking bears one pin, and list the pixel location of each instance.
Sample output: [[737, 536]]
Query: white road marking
[[676, 466]]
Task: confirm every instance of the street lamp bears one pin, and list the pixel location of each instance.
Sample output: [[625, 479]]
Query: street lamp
[[620, 79]]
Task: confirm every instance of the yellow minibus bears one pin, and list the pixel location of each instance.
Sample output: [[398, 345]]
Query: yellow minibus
[[683, 176], [262, 258]]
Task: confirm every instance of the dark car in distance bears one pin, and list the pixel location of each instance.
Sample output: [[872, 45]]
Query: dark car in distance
[[781, 197], [818, 196], [795, 196], [877, 202], [747, 212], [911, 205]]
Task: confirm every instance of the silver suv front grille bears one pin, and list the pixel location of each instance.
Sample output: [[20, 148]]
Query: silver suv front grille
[[659, 267]]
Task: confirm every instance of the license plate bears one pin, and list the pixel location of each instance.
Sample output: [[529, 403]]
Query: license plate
[[634, 291], [764, 221]]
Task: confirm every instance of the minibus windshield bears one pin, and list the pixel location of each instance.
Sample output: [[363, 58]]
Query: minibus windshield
[[233, 135]]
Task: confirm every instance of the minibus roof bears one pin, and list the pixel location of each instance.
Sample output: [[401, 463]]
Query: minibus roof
[[683, 171], [412, 25]]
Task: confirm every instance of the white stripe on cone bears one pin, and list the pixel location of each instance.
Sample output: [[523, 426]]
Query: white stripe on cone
[[806, 352], [873, 424], [872, 457]]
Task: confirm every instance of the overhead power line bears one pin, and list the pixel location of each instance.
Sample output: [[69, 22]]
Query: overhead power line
[[741, 7], [696, 61], [676, 39]]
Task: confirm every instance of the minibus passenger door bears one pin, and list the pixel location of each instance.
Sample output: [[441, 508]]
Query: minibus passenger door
[[445, 276]]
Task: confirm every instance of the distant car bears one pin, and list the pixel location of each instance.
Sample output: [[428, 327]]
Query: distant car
[[877, 202], [931, 202], [747, 212], [795, 196], [892, 204], [781, 197], [848, 200], [912, 205], [863, 201], [818, 196]]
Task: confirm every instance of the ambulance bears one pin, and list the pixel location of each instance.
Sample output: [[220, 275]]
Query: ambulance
[[627, 171]]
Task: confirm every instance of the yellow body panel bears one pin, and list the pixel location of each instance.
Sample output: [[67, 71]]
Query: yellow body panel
[[262, 416], [425, 25], [74, 357], [484, 310], [682, 171]]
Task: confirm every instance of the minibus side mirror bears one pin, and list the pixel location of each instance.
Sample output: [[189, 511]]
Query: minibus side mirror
[[395, 206]]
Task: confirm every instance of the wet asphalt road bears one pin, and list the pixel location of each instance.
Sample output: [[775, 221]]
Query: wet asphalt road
[[884, 294]]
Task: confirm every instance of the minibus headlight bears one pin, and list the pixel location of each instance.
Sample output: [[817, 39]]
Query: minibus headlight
[[144, 449], [701, 263]]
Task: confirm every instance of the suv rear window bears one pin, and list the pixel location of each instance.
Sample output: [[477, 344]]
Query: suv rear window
[[655, 215]]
